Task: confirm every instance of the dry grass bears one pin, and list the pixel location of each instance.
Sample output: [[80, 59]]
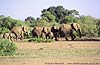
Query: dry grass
[[61, 52]]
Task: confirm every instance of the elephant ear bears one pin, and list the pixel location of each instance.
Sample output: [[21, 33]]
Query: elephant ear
[[45, 30], [77, 28], [24, 28], [74, 26]]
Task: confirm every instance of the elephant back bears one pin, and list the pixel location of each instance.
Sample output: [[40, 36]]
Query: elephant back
[[16, 30], [65, 27], [37, 31]]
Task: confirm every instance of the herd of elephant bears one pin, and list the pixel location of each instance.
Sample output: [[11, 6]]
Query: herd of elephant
[[64, 30]]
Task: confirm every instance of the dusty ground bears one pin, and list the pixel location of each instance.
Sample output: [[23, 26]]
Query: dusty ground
[[58, 53]]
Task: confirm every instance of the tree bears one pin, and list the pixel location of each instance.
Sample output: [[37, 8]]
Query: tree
[[89, 28], [61, 14], [41, 23], [48, 16], [98, 26], [4, 30], [30, 21]]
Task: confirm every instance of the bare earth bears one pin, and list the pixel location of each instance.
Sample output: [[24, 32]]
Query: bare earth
[[92, 58]]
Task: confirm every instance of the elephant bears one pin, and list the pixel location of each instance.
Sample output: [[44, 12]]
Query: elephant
[[10, 36], [55, 31], [43, 35], [6, 36], [48, 33], [68, 29], [37, 32], [44, 32], [20, 32]]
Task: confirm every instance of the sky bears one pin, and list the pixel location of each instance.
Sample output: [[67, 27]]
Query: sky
[[21, 9]]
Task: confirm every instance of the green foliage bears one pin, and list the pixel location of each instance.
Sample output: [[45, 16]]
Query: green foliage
[[18, 23], [7, 47], [89, 28], [54, 24], [30, 21], [48, 16], [4, 30], [60, 13], [41, 23], [98, 26], [40, 40]]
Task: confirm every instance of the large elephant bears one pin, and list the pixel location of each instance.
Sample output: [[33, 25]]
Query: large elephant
[[44, 32], [69, 29], [66, 30], [37, 32], [20, 32]]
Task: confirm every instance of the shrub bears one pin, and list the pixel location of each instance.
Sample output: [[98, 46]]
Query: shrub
[[4, 30], [40, 40], [88, 27], [7, 47]]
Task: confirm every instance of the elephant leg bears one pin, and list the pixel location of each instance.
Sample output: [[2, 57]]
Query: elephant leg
[[21, 37], [46, 36], [72, 35], [66, 38], [11, 38], [56, 38], [17, 37], [43, 35]]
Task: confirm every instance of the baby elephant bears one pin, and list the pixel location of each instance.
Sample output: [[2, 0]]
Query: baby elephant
[[10, 36]]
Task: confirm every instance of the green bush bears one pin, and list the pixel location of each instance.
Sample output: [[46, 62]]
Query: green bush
[[88, 27], [4, 30], [7, 47], [40, 40]]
